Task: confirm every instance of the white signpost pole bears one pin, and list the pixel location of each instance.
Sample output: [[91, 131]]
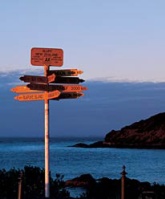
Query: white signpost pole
[[46, 104], [47, 57]]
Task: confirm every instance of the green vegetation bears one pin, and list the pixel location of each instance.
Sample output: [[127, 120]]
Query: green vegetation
[[33, 184]]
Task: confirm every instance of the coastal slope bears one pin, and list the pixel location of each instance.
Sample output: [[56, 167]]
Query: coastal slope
[[149, 133]]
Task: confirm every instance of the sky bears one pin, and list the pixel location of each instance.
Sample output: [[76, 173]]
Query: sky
[[110, 40], [118, 44]]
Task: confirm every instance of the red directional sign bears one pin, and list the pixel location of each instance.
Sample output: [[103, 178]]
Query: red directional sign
[[62, 88], [38, 79], [37, 96], [46, 56]]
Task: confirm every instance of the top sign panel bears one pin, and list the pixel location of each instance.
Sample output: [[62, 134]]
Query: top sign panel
[[46, 56]]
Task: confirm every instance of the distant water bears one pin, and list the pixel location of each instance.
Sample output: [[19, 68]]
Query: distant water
[[141, 164]]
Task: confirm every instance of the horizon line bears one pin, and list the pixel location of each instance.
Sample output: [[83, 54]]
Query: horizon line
[[105, 79]]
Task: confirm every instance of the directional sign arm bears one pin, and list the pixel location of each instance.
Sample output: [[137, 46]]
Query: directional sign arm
[[38, 96], [38, 79], [23, 89], [30, 97], [51, 78], [66, 72], [69, 95], [60, 87], [52, 94], [68, 80]]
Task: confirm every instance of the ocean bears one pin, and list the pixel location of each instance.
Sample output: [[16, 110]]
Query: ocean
[[141, 164]]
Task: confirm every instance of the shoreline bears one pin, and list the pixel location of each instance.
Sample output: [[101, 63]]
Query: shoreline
[[102, 144]]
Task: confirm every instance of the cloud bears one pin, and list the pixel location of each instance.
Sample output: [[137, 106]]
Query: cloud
[[106, 105], [122, 79], [40, 71]]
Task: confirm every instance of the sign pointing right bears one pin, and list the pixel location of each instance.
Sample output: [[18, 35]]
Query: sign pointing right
[[66, 72], [69, 95]]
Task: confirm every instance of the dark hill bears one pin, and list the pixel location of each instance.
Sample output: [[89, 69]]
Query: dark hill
[[149, 133]]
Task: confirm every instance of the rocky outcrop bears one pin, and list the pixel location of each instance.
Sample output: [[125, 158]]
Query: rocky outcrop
[[82, 181], [99, 144], [105, 188], [149, 133]]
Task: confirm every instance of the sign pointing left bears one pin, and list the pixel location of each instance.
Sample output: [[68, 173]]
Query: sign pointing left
[[23, 89], [38, 96], [38, 79]]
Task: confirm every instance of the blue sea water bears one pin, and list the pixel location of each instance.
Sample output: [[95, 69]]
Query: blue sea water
[[141, 164]]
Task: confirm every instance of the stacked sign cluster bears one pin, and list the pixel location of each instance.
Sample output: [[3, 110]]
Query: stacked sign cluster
[[55, 84]]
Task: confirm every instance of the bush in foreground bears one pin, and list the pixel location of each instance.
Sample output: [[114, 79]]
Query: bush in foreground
[[33, 186]]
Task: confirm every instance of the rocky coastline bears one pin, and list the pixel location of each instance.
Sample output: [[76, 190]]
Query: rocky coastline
[[145, 134], [105, 188]]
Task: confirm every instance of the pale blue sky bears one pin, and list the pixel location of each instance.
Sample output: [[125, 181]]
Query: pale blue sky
[[107, 39]]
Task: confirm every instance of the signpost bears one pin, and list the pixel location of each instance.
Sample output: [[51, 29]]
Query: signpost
[[38, 79], [40, 89], [23, 89], [69, 95], [38, 96], [62, 88], [68, 80], [66, 72], [46, 56]]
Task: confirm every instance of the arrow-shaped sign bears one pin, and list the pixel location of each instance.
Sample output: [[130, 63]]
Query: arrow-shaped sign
[[66, 72], [68, 80], [62, 88], [38, 79], [38, 96], [24, 89], [69, 95]]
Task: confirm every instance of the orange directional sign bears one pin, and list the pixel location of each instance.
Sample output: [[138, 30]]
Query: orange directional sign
[[66, 72], [68, 80], [37, 96], [71, 95], [46, 56], [38, 79], [23, 89], [62, 88]]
